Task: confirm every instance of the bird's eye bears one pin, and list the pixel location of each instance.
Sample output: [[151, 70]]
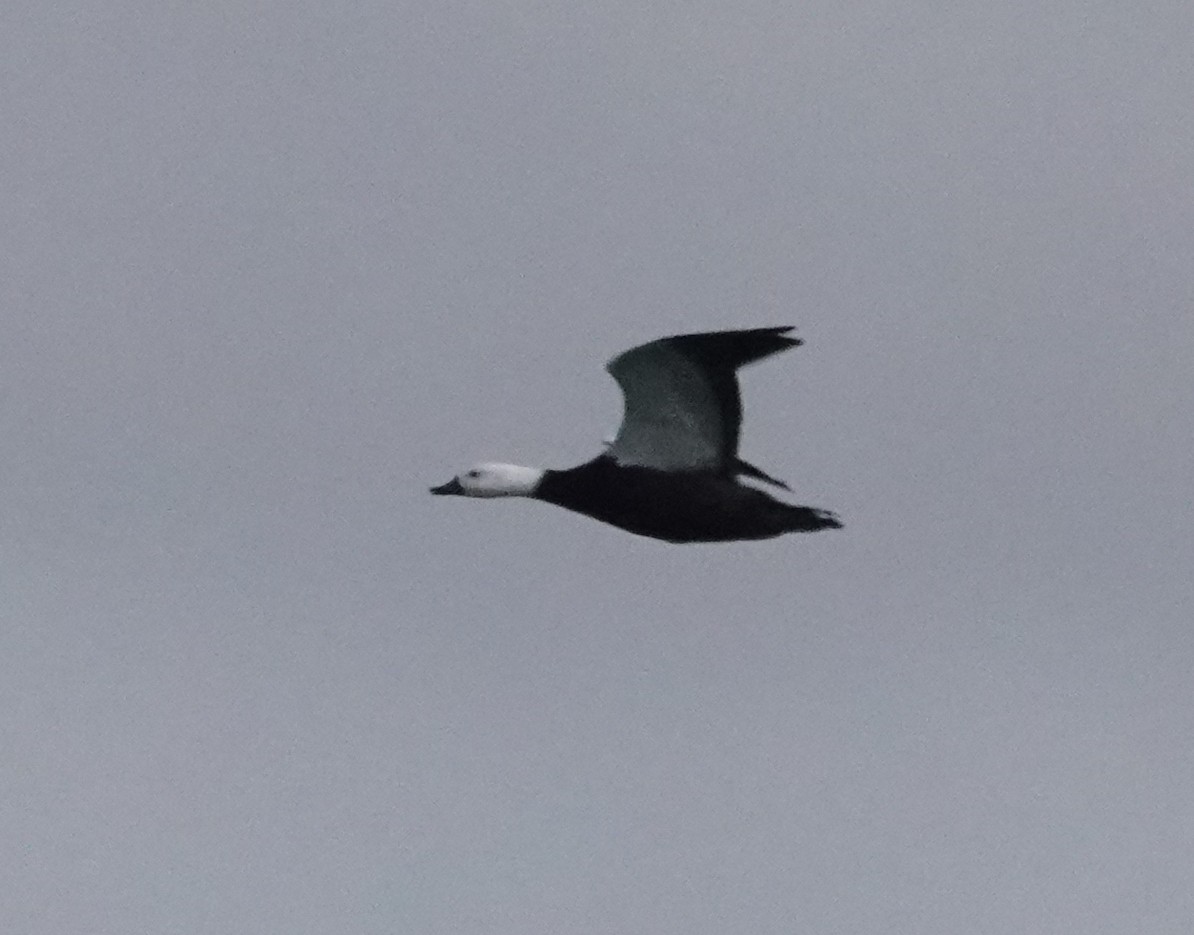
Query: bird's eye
[[473, 474]]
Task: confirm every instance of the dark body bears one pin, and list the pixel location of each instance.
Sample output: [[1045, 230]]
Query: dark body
[[676, 506]]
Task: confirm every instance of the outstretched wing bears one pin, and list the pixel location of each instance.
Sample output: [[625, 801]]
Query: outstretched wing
[[683, 411]]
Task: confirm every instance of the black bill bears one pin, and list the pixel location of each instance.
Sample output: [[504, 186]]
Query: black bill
[[448, 489]]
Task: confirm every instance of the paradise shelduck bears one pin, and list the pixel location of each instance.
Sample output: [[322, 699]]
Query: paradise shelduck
[[672, 471]]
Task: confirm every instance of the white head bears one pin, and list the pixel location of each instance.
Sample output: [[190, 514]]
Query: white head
[[493, 480]]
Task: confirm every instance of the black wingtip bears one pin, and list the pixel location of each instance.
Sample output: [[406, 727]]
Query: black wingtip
[[735, 348], [779, 337], [781, 332]]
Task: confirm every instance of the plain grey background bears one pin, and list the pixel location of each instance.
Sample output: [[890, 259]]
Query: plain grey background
[[272, 269]]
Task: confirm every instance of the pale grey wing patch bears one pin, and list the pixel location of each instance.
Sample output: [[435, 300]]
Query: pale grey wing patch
[[672, 419]]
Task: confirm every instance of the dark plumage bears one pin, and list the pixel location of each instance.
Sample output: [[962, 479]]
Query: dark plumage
[[676, 506], [671, 472]]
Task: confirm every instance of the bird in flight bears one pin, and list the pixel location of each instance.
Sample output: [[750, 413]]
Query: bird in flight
[[672, 471]]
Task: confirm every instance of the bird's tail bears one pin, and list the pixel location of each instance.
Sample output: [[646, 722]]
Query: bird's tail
[[810, 519]]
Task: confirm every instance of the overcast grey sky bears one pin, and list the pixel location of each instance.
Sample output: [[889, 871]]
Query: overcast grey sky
[[270, 270]]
